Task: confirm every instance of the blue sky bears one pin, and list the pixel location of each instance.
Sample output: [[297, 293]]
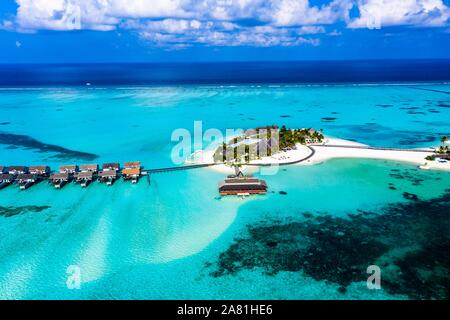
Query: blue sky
[[34, 31]]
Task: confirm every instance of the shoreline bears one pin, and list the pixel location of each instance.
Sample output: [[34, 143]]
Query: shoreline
[[332, 148]]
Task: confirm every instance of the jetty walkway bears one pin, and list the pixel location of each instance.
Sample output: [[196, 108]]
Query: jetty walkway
[[371, 148]]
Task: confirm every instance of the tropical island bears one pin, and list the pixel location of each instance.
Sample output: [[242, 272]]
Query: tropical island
[[259, 143], [440, 158], [273, 145]]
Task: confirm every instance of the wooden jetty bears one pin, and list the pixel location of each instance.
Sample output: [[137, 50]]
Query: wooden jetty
[[83, 174]]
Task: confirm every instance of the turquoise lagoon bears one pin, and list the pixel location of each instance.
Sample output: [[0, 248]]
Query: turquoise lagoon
[[173, 237]]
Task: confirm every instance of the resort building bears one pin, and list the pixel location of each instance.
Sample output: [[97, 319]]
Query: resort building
[[6, 180], [43, 171], [26, 180], [111, 167], [59, 179], [109, 173], [84, 178], [89, 167], [242, 186], [132, 174], [132, 171], [108, 176], [15, 170], [2, 169], [70, 169], [443, 156], [311, 138]]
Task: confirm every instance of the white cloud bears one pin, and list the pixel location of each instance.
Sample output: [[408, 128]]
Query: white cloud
[[18, 44], [335, 33], [180, 23], [187, 32], [382, 13], [311, 30], [300, 12]]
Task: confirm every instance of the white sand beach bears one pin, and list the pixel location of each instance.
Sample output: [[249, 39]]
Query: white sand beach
[[332, 148], [338, 148]]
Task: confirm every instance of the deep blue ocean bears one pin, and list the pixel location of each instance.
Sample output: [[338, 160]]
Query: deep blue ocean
[[374, 71], [171, 236]]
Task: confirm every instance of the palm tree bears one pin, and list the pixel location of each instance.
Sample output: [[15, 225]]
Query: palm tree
[[444, 139]]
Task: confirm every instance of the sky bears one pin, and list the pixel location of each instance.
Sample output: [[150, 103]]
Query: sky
[[92, 31]]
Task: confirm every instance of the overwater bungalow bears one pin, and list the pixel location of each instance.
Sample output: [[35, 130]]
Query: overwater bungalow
[[26, 180], [15, 170], [130, 165], [108, 176], [111, 167], [70, 169], [84, 178], [242, 186], [42, 171], [59, 179], [89, 167], [132, 174], [6, 179], [109, 173], [132, 171]]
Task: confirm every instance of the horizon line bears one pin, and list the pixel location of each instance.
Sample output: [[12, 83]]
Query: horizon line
[[223, 61]]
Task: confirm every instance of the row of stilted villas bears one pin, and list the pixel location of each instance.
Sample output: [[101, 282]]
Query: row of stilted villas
[[84, 174], [25, 177]]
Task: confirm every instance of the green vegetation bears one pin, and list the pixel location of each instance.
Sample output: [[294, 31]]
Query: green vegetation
[[290, 137], [270, 139], [444, 148], [444, 139]]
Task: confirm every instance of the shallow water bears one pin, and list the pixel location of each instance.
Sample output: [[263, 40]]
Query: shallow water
[[166, 237]]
